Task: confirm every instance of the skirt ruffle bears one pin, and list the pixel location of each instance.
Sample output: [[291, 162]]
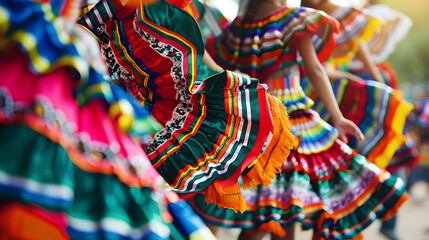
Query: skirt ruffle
[[378, 110], [64, 143], [26, 221], [216, 126], [324, 185], [92, 139], [407, 155], [317, 151], [71, 166], [228, 132], [395, 27], [338, 208]]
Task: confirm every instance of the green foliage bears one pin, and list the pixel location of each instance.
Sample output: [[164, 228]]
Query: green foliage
[[411, 57]]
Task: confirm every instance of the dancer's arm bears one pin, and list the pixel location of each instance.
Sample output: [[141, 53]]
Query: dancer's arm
[[335, 74], [318, 77]]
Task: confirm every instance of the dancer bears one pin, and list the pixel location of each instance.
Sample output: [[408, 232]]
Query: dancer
[[324, 185], [217, 125], [378, 110], [382, 45], [367, 37]]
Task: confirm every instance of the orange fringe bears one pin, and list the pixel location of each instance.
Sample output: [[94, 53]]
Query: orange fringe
[[227, 197], [270, 163], [273, 227]]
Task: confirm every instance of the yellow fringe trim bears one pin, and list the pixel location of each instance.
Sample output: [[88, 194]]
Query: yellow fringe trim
[[270, 162], [227, 197]]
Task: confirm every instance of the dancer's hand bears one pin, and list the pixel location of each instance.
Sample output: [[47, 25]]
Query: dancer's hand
[[345, 126]]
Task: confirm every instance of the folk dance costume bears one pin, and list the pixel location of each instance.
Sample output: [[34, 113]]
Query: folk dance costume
[[70, 167], [380, 29], [324, 184], [381, 45], [216, 126], [378, 110]]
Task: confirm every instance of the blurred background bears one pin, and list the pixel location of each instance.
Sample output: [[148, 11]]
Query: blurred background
[[411, 58]]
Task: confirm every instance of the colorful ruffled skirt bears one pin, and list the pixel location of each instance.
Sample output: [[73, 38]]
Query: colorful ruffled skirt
[[216, 126], [71, 159], [70, 167], [379, 111], [406, 154], [324, 184], [393, 27]]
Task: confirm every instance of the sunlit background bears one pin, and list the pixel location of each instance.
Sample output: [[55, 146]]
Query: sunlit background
[[411, 58]]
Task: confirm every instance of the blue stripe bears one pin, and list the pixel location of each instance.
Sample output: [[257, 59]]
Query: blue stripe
[[23, 194]]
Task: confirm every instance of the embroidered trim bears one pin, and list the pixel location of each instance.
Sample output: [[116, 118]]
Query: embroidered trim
[[175, 56], [185, 106], [116, 70]]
